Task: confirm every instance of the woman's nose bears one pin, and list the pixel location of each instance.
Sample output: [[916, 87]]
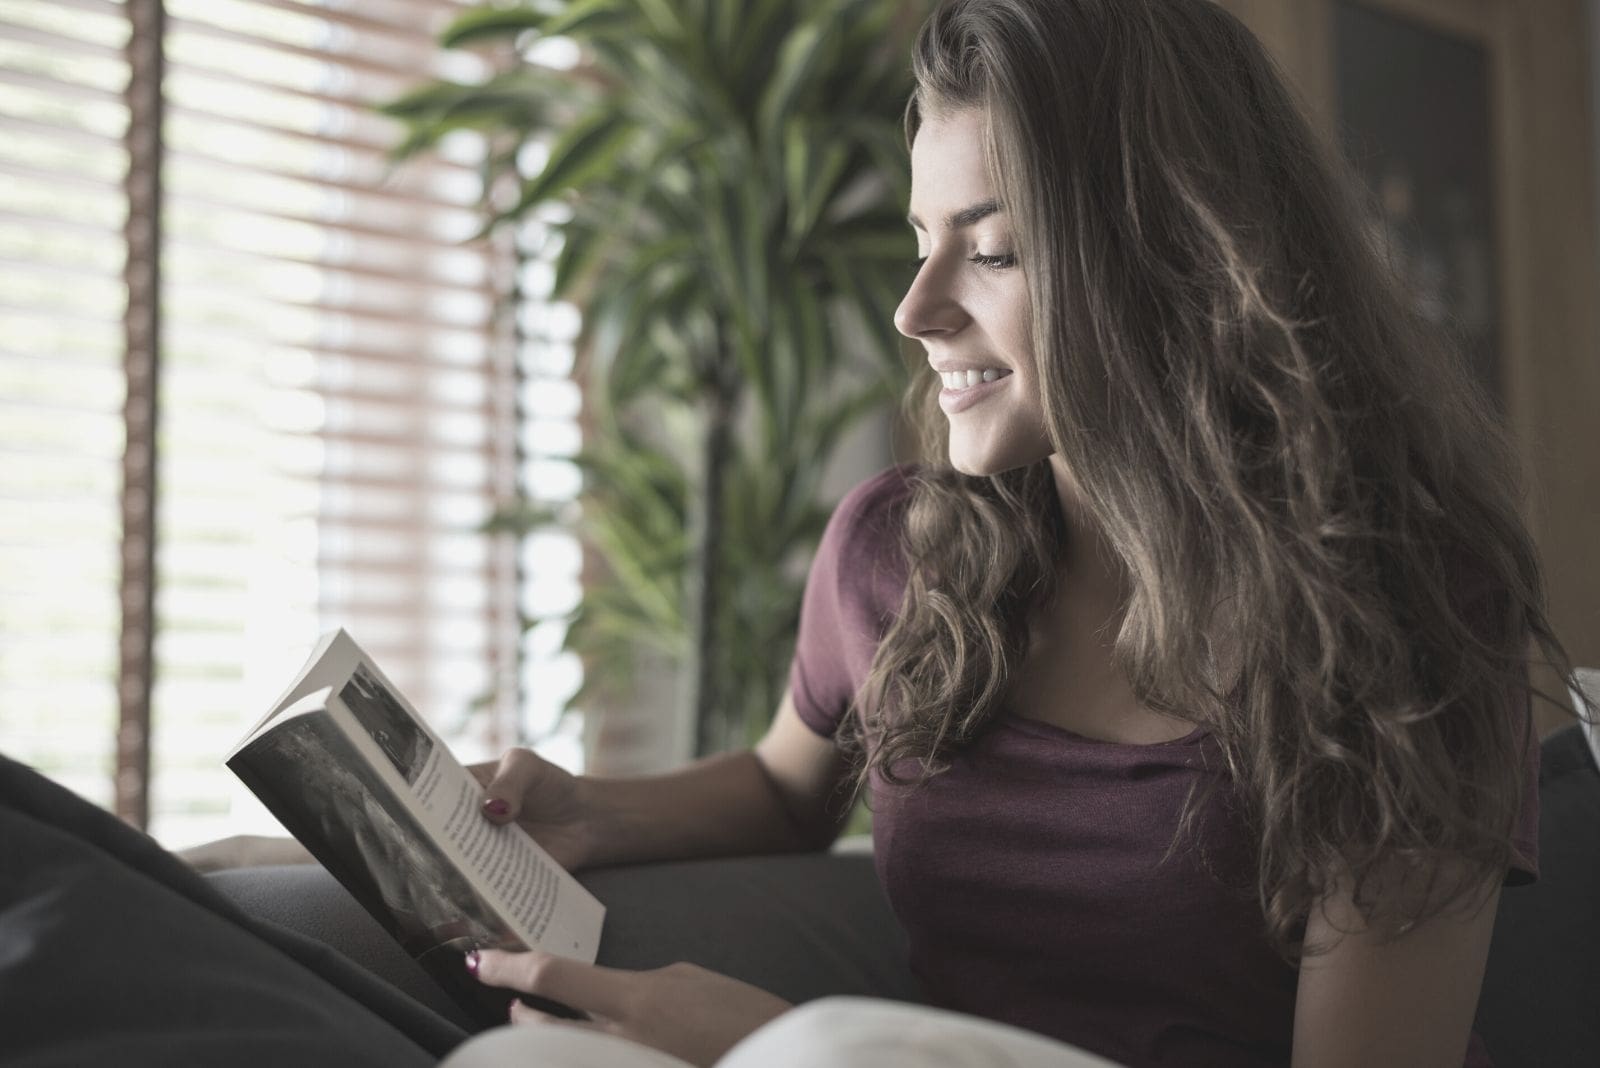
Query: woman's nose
[[930, 306]]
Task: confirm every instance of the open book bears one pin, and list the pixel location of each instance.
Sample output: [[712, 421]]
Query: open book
[[349, 768]]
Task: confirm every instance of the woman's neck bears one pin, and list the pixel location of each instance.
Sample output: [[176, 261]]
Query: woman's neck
[[1087, 562]]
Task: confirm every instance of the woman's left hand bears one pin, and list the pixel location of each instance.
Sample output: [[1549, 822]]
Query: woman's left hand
[[681, 1009]]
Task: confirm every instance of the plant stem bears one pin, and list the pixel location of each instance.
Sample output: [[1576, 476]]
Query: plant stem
[[703, 697]]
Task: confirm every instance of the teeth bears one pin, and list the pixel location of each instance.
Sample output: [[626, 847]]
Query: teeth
[[968, 379]]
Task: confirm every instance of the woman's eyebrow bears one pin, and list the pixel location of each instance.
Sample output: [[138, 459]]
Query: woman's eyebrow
[[965, 217]]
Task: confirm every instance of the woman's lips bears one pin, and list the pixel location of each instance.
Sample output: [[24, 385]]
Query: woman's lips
[[952, 401]]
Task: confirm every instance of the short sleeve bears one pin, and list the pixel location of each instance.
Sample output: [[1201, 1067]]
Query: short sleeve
[[852, 594]]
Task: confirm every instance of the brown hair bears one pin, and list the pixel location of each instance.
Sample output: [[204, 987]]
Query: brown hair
[[1317, 509]]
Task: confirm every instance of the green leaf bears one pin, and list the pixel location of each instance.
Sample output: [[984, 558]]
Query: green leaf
[[491, 22], [815, 179], [581, 154], [586, 18], [756, 247], [663, 17], [757, 37], [581, 246], [798, 60], [813, 342], [873, 301]]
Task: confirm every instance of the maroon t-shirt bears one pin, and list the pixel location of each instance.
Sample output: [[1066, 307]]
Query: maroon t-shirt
[[1033, 878]]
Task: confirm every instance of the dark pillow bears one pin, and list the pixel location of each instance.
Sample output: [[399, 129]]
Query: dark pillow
[[113, 952]]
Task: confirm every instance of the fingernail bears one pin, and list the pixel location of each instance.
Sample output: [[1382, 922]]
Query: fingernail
[[496, 807], [472, 962], [511, 1009]]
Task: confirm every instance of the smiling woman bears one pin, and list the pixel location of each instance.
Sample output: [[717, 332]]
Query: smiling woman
[[1188, 673]]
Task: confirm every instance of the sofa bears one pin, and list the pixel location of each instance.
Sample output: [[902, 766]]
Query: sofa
[[811, 925]]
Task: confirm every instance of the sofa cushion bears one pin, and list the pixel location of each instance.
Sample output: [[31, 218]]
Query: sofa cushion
[[802, 926]]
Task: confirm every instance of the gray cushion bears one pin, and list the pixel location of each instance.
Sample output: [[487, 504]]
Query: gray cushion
[[802, 926]]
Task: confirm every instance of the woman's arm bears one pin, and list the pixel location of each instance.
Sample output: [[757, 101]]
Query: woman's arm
[[783, 796], [1408, 1002]]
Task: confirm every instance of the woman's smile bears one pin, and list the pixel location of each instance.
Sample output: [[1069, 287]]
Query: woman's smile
[[963, 389]]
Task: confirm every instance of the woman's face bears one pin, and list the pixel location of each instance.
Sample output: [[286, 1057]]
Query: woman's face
[[969, 302]]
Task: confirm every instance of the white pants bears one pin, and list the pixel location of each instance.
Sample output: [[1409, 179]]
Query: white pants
[[842, 1032]]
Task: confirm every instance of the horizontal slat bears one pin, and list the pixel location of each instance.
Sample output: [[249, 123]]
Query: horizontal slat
[[69, 137], [79, 21], [245, 236], [192, 210], [102, 165], [41, 383], [359, 79], [435, 348], [34, 45], [413, 216], [221, 306], [341, 252], [193, 276], [404, 43], [438, 343], [86, 295], [52, 93], [408, 17], [321, 26], [65, 243], [49, 323], [191, 131], [38, 198], [192, 92], [327, 167]]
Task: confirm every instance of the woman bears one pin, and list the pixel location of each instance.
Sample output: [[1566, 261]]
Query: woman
[[1190, 678]]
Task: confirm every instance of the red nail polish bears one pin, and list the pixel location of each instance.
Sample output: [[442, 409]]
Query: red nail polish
[[496, 807], [472, 962]]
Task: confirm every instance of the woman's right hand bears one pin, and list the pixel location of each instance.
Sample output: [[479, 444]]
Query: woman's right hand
[[547, 801]]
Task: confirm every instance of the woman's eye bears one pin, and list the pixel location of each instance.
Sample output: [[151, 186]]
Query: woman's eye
[[994, 263]]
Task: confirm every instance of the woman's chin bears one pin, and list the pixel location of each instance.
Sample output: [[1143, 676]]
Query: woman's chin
[[982, 463]]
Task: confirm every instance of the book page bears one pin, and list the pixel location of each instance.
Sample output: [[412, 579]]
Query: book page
[[545, 904], [1586, 699], [330, 663]]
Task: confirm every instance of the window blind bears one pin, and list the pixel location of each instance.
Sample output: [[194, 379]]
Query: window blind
[[62, 213], [343, 385], [333, 384]]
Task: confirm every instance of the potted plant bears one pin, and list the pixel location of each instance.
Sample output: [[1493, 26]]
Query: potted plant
[[733, 179]]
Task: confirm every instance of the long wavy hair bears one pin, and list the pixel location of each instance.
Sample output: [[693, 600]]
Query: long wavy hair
[[1316, 508]]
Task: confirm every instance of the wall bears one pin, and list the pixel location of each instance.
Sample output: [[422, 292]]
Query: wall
[[1545, 106]]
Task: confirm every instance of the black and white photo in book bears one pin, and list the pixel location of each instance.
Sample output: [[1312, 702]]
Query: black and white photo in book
[[389, 724], [371, 841]]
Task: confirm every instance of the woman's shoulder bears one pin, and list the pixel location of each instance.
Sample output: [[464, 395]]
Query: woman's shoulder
[[875, 507], [862, 554]]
